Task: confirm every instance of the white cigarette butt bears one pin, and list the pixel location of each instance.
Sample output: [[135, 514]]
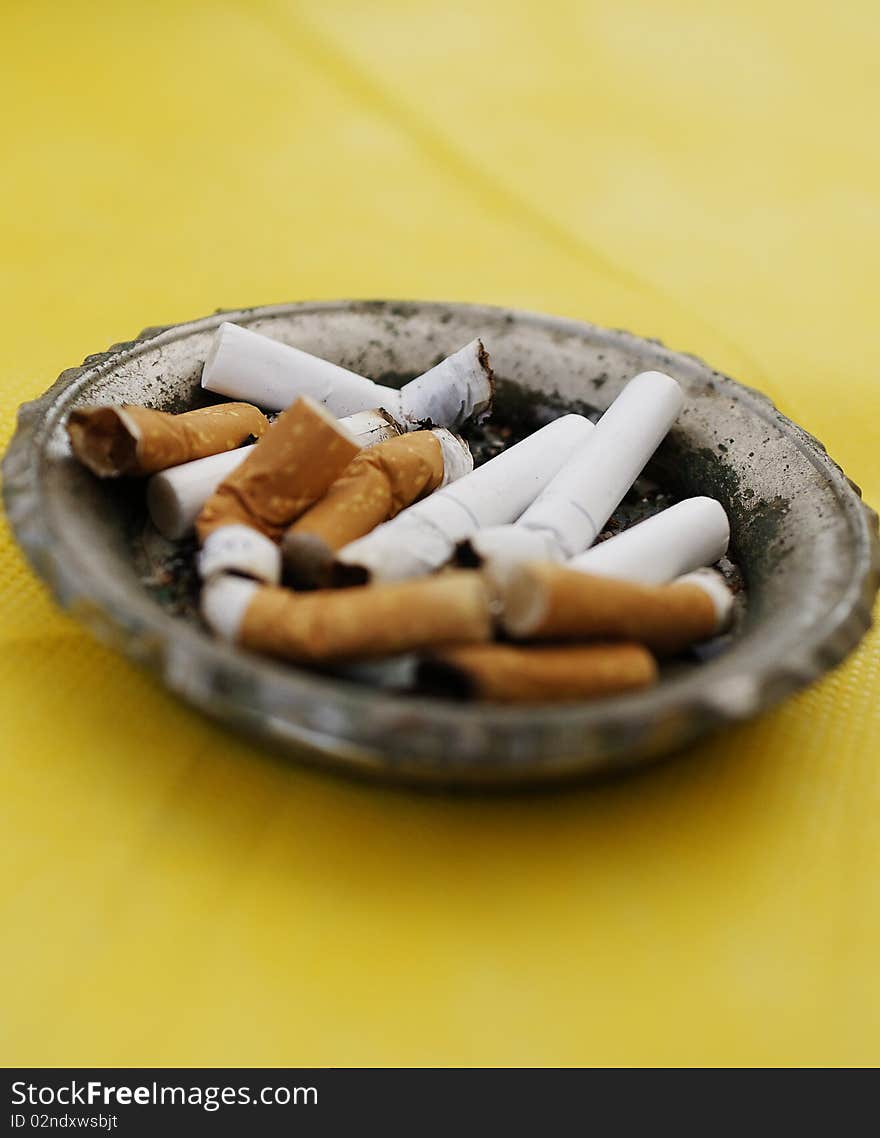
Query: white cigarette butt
[[458, 388], [275, 374], [682, 538], [716, 588], [457, 458], [240, 549], [224, 602]]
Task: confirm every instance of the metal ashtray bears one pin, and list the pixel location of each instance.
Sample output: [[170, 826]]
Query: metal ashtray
[[804, 542]]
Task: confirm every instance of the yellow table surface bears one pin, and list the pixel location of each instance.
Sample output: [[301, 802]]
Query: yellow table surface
[[705, 173]]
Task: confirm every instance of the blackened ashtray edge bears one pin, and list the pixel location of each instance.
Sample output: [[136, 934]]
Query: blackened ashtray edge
[[805, 542]]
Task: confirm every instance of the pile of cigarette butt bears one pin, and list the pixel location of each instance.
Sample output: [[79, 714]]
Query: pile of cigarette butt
[[341, 524]]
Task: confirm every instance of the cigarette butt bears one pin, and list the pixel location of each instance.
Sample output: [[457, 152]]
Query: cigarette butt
[[682, 538], [537, 674], [543, 601], [300, 455], [112, 441], [566, 517], [240, 549], [457, 458], [578, 502], [175, 496], [243, 364], [712, 583], [457, 389], [424, 536], [246, 365], [375, 486], [349, 624]]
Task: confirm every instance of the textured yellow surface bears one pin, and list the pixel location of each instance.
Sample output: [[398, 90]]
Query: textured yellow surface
[[706, 173]]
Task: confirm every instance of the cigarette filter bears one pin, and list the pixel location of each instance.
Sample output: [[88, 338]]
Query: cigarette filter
[[683, 537], [175, 496], [424, 536], [240, 549], [375, 486], [349, 624], [112, 441], [274, 374], [567, 516], [543, 601], [537, 674]]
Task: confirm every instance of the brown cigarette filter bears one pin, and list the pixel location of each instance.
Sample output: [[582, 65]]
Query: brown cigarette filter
[[112, 441], [352, 624], [374, 487], [543, 601], [538, 673], [291, 466]]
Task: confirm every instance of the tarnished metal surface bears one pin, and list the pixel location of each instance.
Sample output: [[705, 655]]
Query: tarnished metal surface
[[806, 543]]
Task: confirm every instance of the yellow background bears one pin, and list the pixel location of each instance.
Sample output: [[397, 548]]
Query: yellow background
[[703, 172]]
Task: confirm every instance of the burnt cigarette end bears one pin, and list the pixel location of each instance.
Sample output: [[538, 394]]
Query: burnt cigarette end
[[344, 576], [307, 560], [466, 556], [486, 365], [393, 425], [504, 673], [444, 679]]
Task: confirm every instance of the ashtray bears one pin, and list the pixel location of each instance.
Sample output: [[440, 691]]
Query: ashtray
[[804, 551]]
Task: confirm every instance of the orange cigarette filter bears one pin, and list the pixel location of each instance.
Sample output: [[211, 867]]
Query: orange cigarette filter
[[506, 673], [112, 441], [291, 466], [543, 601], [352, 624], [375, 486]]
